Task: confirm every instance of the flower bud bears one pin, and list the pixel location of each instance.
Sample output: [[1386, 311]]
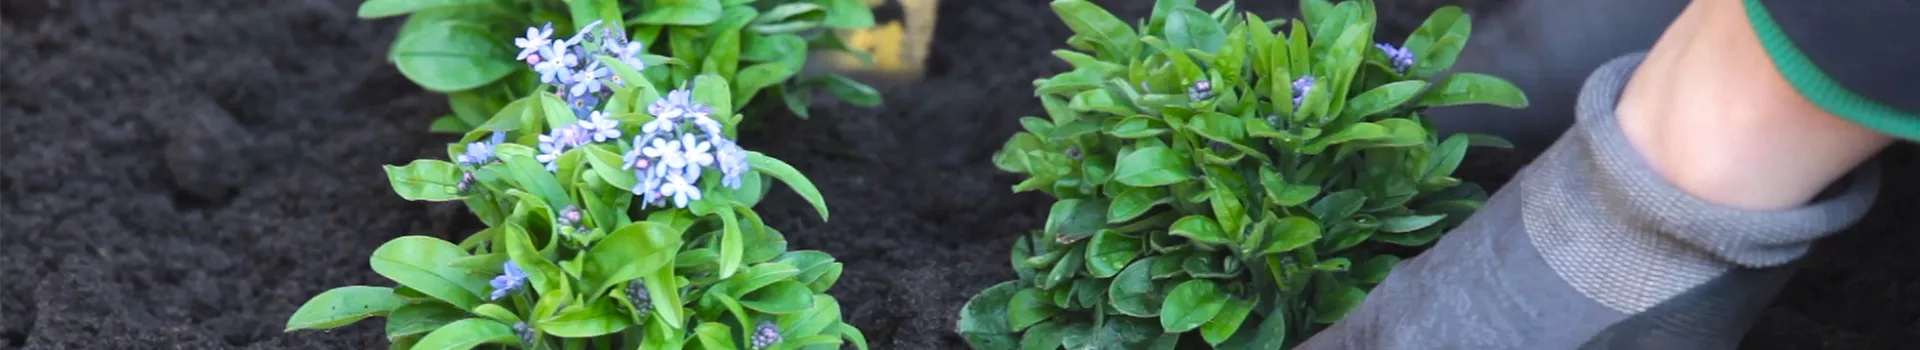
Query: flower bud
[[1200, 90], [642, 302], [525, 332], [765, 335]]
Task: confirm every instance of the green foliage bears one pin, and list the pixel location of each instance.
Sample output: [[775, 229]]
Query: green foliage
[[572, 257], [464, 47], [1202, 193]]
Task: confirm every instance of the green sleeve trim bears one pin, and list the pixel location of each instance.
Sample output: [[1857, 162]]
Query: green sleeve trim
[[1821, 89]]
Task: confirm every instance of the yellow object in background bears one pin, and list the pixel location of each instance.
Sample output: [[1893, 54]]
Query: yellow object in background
[[899, 46]]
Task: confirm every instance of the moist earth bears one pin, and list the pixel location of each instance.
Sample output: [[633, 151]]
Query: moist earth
[[185, 173]]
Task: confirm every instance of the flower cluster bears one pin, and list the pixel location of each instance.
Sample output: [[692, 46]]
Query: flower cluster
[[1401, 57], [676, 147], [669, 153], [569, 63]]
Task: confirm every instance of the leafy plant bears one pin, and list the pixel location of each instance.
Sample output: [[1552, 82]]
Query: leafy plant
[[1217, 177], [595, 239], [459, 47]]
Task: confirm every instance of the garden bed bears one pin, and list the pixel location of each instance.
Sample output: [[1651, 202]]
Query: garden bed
[[183, 174]]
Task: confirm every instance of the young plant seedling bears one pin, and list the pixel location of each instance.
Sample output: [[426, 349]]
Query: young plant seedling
[[1219, 179], [619, 215], [456, 47]]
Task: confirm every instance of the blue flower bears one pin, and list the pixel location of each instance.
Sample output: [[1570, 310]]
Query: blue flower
[[677, 103], [557, 65], [629, 52], [600, 127], [733, 162], [649, 187], [668, 152], [510, 278], [554, 143], [635, 159], [583, 104], [536, 39], [481, 152], [587, 80], [707, 124], [698, 153], [680, 190], [765, 335], [1401, 57]]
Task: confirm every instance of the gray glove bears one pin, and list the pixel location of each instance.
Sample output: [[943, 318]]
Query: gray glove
[[1588, 248]]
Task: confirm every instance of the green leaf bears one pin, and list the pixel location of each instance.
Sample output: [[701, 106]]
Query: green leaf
[[1357, 132], [781, 297], [1448, 156], [630, 252], [421, 318], [423, 263], [1201, 228], [1133, 202], [343, 306], [847, 14], [1471, 88], [714, 335], [1409, 223], [750, 80], [712, 90], [1339, 205], [852, 91], [1138, 126], [425, 180], [732, 246], [1271, 333], [1189, 28], [1375, 270], [759, 276], [1043, 336], [1027, 308], [983, 320], [388, 8], [1281, 193], [1071, 220], [1191, 304], [545, 276], [763, 164], [607, 165], [452, 56], [1223, 325], [496, 313], [1382, 98], [596, 319], [681, 13], [1333, 304], [1091, 21], [1118, 332], [1110, 251], [1291, 233], [468, 334], [1153, 166], [1133, 292], [664, 286]]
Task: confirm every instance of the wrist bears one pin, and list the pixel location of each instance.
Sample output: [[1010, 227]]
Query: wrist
[[1711, 114]]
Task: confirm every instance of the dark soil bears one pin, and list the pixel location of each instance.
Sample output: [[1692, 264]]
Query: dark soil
[[185, 173]]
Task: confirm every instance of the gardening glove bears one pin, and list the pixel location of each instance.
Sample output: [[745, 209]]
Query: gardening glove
[[1589, 248], [1547, 47]]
